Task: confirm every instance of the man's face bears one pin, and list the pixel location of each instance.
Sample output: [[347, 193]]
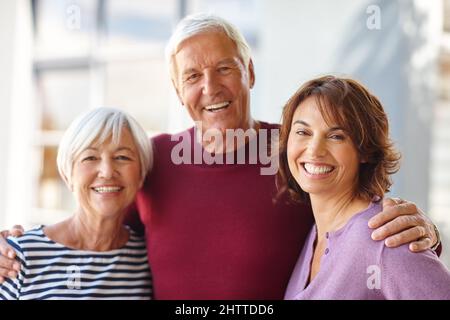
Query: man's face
[[213, 83]]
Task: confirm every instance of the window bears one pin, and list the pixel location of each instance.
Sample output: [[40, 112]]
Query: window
[[90, 53]]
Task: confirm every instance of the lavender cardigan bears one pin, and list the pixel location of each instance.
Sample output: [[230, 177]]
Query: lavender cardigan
[[356, 267]]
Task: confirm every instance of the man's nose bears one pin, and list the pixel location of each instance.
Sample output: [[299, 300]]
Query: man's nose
[[211, 85]]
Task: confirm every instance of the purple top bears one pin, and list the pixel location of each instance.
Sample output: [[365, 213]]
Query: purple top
[[356, 267]]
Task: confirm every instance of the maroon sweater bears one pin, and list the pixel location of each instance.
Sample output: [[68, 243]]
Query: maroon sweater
[[213, 231]]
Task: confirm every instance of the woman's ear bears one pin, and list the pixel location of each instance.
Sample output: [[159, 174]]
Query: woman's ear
[[68, 183]]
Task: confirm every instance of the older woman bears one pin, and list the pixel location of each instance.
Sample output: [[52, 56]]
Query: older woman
[[103, 158], [336, 155]]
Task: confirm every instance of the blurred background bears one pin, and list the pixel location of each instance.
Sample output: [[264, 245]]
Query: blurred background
[[62, 57]]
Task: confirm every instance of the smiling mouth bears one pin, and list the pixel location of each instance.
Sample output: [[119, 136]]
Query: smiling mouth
[[218, 106], [102, 190], [317, 169]]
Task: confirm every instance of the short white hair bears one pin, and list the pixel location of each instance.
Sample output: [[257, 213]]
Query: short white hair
[[98, 125], [199, 23]]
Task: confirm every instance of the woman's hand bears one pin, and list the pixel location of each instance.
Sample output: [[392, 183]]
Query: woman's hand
[[9, 267], [402, 222]]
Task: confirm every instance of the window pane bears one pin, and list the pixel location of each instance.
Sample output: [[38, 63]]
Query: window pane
[[242, 13], [139, 22], [64, 94], [64, 27], [140, 87], [53, 194]]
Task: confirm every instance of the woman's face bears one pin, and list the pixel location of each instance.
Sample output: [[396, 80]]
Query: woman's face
[[321, 157], [106, 177]]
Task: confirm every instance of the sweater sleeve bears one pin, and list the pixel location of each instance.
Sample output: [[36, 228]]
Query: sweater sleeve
[[10, 289], [415, 276]]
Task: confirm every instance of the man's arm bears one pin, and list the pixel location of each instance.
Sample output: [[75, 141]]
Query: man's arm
[[401, 222], [9, 267]]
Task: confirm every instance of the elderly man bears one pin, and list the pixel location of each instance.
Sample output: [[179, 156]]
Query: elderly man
[[213, 228]]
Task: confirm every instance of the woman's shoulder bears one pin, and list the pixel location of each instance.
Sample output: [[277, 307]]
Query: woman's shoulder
[[33, 235], [413, 275], [31, 243], [357, 227]]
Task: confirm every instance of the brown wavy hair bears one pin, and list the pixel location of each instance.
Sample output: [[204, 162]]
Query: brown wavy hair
[[352, 107]]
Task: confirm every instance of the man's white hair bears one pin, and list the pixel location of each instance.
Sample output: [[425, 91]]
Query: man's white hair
[[97, 126], [199, 23]]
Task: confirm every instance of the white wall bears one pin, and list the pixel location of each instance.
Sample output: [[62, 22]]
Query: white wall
[[16, 129], [6, 57], [304, 39]]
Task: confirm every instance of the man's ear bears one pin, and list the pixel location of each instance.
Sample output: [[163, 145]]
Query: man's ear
[[251, 73]]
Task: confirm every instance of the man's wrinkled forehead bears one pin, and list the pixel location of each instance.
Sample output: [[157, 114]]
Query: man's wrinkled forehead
[[216, 40]]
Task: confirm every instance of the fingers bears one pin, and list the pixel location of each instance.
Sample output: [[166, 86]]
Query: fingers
[[4, 233], [8, 265], [390, 202], [8, 273], [391, 212], [16, 231], [407, 236], [6, 251], [399, 224], [421, 245]]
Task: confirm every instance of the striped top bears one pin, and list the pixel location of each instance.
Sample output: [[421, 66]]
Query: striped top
[[50, 270]]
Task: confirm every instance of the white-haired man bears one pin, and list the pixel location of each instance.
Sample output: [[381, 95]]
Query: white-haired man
[[213, 230]]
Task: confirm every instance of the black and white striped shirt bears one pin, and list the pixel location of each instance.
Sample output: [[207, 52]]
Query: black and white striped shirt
[[52, 271]]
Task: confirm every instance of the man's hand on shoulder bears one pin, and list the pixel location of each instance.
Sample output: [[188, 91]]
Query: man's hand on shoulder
[[401, 222], [9, 267]]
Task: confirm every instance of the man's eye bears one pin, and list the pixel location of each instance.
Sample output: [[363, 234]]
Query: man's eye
[[192, 77], [224, 70]]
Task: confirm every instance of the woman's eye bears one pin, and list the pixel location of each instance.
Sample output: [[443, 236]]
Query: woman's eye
[[337, 137], [301, 132], [121, 157], [89, 158]]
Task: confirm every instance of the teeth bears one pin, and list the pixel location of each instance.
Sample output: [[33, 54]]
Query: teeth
[[107, 189], [313, 169], [217, 106]]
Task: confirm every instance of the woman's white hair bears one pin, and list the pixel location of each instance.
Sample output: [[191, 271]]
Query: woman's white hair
[[199, 23], [98, 125]]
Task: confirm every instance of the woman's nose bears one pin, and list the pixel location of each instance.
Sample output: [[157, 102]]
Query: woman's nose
[[316, 147], [106, 169]]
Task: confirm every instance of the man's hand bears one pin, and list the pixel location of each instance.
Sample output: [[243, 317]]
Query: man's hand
[[402, 222], [9, 267]]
